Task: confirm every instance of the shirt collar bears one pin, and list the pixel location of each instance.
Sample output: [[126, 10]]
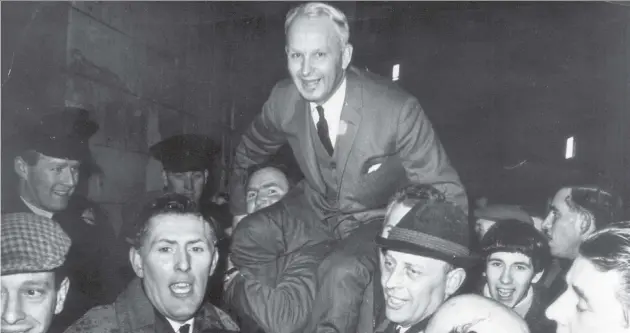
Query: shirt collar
[[37, 210], [335, 102], [176, 326]]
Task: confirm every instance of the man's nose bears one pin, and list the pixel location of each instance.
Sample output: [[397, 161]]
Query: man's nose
[[182, 261], [12, 310], [506, 277], [394, 280], [188, 182], [553, 311], [306, 67], [69, 177]]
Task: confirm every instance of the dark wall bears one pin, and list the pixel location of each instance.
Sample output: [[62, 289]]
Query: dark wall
[[508, 82]]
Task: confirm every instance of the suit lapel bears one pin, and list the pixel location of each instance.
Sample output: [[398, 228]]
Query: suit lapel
[[303, 120], [350, 120]]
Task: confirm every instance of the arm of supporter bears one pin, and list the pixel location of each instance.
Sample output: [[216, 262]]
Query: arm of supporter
[[260, 141], [285, 307], [423, 155], [256, 239]]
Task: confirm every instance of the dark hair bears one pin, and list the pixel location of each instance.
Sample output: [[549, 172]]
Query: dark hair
[[517, 237], [594, 203], [412, 194], [169, 203], [269, 164]]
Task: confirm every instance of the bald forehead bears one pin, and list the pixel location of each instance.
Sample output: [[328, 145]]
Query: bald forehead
[[478, 314]]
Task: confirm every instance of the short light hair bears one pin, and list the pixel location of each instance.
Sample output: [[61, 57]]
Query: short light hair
[[319, 9], [609, 250]]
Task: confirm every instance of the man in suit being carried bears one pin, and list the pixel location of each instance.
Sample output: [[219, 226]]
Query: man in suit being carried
[[357, 138]]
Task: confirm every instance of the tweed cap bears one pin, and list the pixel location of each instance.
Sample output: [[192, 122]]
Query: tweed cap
[[187, 152], [436, 230], [32, 243]]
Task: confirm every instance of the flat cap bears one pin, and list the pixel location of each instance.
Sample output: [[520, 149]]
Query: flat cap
[[186, 152], [62, 133], [32, 243]]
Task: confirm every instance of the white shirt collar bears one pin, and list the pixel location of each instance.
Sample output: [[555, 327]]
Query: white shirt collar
[[176, 326], [332, 110], [37, 210]]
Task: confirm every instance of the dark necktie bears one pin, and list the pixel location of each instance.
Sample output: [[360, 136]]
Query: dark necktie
[[322, 130], [184, 328]]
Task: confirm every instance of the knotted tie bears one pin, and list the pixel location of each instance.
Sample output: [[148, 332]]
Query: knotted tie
[[322, 130], [184, 329]]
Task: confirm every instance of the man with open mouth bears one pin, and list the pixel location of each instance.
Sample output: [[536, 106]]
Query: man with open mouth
[[173, 254], [422, 263], [516, 256]]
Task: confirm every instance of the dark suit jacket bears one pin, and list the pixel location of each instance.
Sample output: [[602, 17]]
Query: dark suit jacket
[[383, 125]]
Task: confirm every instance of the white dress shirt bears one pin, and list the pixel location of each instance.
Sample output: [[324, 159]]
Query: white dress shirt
[[332, 111], [176, 326], [36, 210]]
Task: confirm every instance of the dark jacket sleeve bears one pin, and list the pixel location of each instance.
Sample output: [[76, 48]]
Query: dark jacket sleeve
[[282, 307], [423, 155], [260, 141]]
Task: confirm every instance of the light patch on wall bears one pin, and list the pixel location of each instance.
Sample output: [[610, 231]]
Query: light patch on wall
[[569, 151], [396, 72]]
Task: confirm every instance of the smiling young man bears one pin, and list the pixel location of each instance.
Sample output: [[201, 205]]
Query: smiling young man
[[173, 254], [597, 298], [516, 255], [34, 283]]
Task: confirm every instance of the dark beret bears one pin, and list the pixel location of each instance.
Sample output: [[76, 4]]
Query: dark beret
[[62, 133], [32, 243]]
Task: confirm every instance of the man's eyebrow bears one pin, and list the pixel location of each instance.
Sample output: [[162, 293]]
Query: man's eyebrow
[[32, 283]]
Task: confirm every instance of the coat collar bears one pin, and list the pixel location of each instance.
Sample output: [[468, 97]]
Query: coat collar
[[136, 314]]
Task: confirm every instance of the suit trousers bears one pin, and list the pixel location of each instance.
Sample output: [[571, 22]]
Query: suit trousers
[[343, 278]]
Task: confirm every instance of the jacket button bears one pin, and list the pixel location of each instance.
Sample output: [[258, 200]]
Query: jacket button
[[333, 165]]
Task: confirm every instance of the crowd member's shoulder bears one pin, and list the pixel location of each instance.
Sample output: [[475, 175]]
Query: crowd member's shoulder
[[216, 318], [100, 319]]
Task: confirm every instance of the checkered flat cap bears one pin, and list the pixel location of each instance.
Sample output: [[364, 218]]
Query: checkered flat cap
[[32, 243]]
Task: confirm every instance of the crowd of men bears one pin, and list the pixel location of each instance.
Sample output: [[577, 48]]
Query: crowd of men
[[375, 238]]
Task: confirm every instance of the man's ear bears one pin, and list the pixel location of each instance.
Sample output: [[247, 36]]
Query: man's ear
[[585, 223], [21, 167], [61, 295], [346, 56], [454, 279], [136, 262], [215, 260], [538, 276], [206, 173]]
